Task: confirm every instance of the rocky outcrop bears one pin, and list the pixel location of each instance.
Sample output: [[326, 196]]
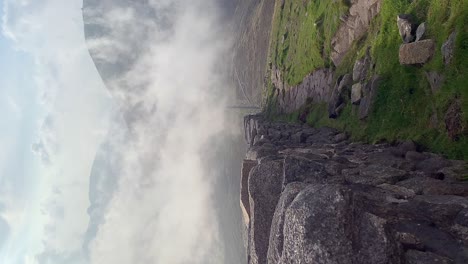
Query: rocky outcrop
[[316, 87], [413, 53], [356, 93], [454, 120], [353, 27], [417, 52], [264, 192], [315, 197], [340, 95], [370, 93], [448, 48]]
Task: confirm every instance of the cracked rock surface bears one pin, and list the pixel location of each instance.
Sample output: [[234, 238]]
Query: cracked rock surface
[[316, 197]]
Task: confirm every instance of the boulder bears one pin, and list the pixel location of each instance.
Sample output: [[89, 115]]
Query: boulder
[[324, 224], [406, 28], [275, 250], [420, 31], [265, 182], [315, 229], [417, 53], [448, 48], [356, 93]]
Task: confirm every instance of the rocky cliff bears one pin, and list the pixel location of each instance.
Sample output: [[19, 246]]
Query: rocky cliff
[[311, 196]]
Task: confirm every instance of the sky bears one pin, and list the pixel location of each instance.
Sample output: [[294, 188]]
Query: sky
[[54, 108], [56, 113]]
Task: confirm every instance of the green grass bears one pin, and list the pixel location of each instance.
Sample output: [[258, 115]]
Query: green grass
[[405, 103], [301, 36]]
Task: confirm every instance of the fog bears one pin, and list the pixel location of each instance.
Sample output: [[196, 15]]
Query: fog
[[164, 185]]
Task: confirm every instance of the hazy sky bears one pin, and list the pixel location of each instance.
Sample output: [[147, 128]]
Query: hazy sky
[[55, 111]]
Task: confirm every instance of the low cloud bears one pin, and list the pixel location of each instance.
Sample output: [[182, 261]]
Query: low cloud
[[164, 209], [74, 112], [162, 62]]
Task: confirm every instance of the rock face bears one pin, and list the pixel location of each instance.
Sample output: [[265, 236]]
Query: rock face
[[315, 87], [264, 192], [356, 93], [417, 52], [353, 27], [448, 48], [453, 120], [323, 199], [367, 102], [361, 68], [339, 95]]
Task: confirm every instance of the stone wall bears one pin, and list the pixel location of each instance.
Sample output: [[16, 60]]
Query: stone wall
[[315, 197]]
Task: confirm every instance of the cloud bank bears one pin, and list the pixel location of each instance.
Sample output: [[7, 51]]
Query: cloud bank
[[173, 98], [151, 194]]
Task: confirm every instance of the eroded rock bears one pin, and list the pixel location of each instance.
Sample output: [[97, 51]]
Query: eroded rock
[[330, 201]]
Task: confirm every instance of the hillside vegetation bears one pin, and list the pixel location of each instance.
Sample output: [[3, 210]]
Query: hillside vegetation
[[405, 107]]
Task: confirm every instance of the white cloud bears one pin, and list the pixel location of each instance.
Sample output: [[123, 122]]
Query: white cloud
[[77, 108], [163, 208], [165, 213]]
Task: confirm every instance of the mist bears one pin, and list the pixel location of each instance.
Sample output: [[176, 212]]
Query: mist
[[166, 180]]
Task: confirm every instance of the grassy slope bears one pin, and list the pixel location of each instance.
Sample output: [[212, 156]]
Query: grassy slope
[[301, 36], [405, 102]]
